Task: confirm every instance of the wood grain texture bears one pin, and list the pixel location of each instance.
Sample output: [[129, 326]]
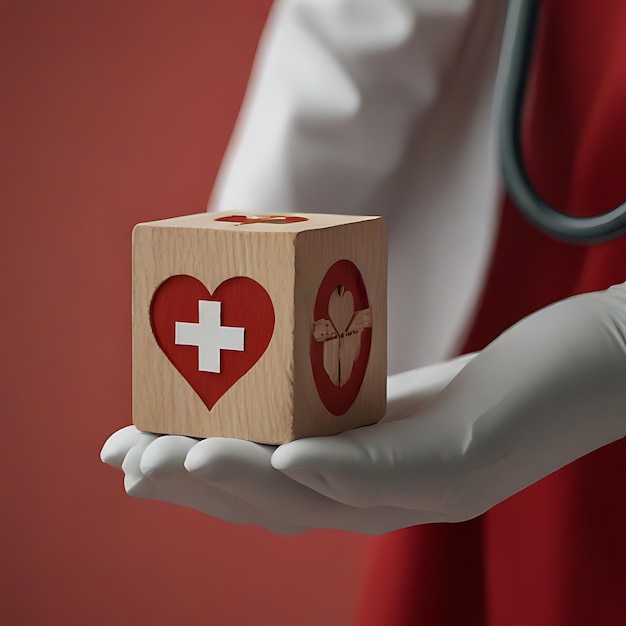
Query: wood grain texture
[[276, 400], [365, 245]]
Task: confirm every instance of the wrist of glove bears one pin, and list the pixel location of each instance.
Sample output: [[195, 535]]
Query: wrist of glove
[[547, 391]]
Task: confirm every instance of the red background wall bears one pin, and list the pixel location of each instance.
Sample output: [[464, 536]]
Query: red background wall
[[116, 112]]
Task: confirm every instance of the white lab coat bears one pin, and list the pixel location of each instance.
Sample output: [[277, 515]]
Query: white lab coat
[[382, 107]]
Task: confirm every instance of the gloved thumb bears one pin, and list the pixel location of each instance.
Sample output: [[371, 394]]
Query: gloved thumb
[[337, 467]]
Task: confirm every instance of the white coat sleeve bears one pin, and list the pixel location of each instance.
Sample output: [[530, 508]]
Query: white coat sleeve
[[337, 91], [382, 107]]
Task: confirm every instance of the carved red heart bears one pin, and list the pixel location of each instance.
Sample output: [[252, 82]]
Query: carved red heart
[[241, 220], [237, 303], [342, 336]]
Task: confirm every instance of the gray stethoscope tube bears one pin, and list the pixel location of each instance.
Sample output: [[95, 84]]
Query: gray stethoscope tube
[[515, 58]]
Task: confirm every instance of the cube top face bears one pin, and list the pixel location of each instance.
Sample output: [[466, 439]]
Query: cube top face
[[259, 328], [261, 223]]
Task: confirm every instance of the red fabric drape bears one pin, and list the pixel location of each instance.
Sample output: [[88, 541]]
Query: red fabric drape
[[555, 554]]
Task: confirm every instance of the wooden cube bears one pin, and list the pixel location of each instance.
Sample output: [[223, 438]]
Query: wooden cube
[[265, 328]]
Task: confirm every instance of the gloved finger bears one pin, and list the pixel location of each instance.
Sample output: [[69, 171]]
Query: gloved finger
[[116, 447], [409, 390], [335, 467], [163, 460], [135, 483], [243, 469], [163, 466]]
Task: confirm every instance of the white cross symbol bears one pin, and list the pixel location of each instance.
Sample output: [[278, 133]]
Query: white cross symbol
[[209, 336]]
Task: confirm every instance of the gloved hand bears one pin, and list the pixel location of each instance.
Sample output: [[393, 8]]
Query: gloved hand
[[154, 467], [547, 391]]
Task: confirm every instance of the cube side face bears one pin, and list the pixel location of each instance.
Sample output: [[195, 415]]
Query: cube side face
[[341, 328], [246, 282]]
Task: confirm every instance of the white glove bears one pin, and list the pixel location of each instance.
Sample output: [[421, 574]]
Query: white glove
[[154, 467], [547, 391]]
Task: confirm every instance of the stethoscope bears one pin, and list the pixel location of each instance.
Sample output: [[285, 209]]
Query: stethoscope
[[519, 34]]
